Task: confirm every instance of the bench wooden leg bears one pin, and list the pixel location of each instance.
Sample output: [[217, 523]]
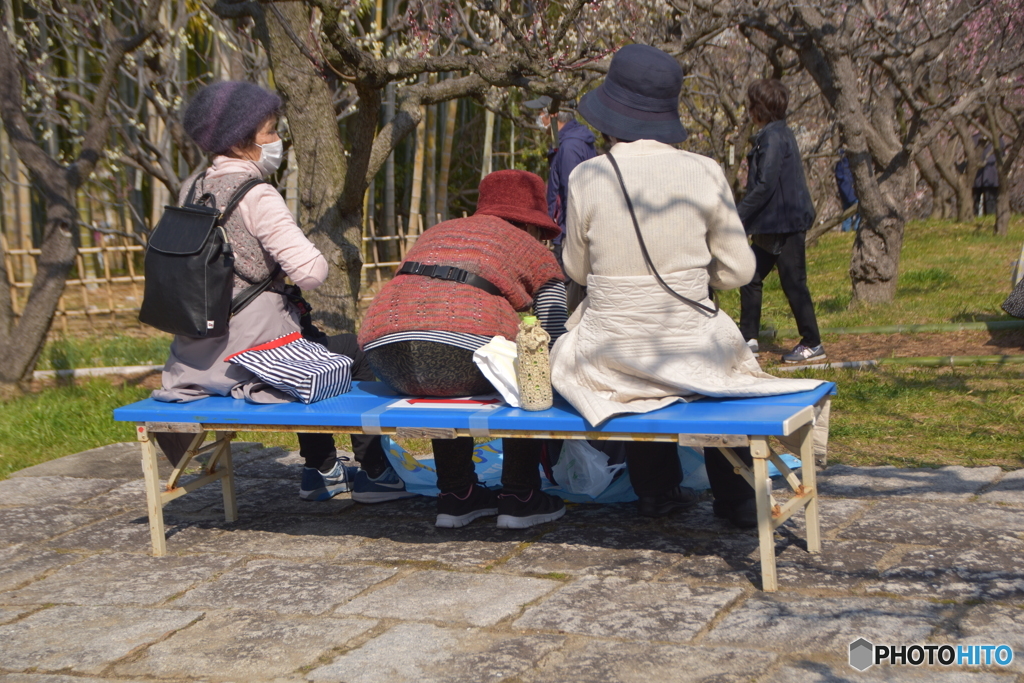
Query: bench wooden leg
[[154, 502], [765, 523], [810, 482], [227, 484]]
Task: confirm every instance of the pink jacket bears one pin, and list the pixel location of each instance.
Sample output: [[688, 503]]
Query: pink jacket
[[266, 216]]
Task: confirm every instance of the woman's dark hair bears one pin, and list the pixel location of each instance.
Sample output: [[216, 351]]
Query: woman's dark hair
[[769, 99], [250, 139]]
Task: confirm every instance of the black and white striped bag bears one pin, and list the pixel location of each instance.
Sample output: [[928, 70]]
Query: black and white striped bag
[[298, 367]]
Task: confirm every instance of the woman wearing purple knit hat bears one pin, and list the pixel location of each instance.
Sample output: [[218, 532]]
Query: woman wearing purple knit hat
[[236, 124]]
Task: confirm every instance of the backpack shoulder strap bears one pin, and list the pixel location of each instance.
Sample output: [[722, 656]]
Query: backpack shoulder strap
[[239, 195]]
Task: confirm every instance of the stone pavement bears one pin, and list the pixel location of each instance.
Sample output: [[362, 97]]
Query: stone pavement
[[337, 591]]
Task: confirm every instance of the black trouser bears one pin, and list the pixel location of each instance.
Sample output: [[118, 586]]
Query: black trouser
[[654, 467], [792, 263], [520, 469], [317, 448], [425, 368], [728, 487]]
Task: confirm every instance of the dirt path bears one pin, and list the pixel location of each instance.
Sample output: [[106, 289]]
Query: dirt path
[[850, 347]]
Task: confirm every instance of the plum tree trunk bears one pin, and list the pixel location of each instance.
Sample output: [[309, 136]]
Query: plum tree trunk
[[326, 215]]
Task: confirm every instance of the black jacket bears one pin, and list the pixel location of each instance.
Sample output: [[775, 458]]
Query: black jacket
[[777, 198]]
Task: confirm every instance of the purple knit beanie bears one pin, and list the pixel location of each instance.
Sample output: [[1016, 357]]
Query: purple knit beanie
[[224, 114]]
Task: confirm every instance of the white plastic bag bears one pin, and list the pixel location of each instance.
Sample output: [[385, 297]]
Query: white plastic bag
[[583, 469]]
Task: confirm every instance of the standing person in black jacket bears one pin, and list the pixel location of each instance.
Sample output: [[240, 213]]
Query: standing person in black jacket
[[776, 212]]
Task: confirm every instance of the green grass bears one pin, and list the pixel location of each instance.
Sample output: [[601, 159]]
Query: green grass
[[63, 420], [949, 272], [927, 417], [64, 352]]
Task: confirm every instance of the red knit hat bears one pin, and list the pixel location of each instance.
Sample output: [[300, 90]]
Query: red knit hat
[[517, 196]]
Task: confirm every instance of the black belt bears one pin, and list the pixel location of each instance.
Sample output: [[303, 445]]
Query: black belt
[[449, 273]]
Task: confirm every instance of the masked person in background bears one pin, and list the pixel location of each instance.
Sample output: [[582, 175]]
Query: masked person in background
[[575, 145], [236, 124]]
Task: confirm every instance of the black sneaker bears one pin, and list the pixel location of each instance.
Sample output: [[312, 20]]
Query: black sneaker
[[742, 514], [676, 500], [456, 510], [523, 510]]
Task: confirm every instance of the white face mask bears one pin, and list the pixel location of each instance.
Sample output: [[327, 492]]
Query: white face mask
[[540, 121], [271, 155]]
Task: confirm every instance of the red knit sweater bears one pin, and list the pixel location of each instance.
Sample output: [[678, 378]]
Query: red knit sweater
[[512, 260]]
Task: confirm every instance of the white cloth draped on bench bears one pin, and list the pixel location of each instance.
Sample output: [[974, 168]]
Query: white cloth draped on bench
[[633, 348]]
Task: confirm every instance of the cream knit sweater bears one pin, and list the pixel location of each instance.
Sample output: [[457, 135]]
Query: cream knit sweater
[[684, 206]]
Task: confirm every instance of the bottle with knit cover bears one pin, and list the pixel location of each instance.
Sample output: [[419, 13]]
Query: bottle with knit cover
[[533, 369]]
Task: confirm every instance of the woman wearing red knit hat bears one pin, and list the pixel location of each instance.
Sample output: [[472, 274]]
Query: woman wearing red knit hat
[[463, 283]]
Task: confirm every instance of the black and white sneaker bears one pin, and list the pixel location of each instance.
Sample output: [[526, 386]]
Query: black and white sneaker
[[456, 510], [805, 353], [523, 510]]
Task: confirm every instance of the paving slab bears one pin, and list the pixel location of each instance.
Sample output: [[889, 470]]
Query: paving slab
[[833, 514], [286, 587], [114, 461], [602, 661], [992, 625], [49, 678], [1009, 489], [30, 523], [120, 579], [84, 639], [817, 672], [9, 614], [423, 653], [616, 607], [899, 521], [601, 551], [44, 490], [793, 623], [287, 537], [725, 561], [993, 571], [476, 547], [840, 566], [245, 645], [20, 563], [128, 533], [953, 482], [474, 599], [269, 463]]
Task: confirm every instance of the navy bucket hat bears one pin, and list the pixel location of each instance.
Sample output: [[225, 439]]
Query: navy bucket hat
[[639, 98]]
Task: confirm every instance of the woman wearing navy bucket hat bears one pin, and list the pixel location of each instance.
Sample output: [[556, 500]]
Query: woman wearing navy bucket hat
[[650, 230]]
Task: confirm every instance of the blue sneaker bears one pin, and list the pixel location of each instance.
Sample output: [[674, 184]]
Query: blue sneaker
[[319, 486], [388, 486]]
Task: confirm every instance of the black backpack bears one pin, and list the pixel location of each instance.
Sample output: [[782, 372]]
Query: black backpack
[[190, 269]]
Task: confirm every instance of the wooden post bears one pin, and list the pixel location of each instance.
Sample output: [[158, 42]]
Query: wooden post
[[485, 166], [417, 175]]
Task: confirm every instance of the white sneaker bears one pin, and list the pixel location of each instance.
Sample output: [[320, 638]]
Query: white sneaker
[[752, 345]]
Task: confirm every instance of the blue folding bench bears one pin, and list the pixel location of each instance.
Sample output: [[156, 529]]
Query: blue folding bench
[[371, 408]]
